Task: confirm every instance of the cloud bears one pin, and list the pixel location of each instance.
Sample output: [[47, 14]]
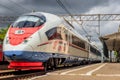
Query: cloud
[[107, 27], [74, 6], [112, 8]]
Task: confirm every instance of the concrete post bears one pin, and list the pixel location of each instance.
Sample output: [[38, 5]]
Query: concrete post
[[110, 56]]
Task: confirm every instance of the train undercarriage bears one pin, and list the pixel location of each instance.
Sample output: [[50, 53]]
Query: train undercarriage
[[50, 64]]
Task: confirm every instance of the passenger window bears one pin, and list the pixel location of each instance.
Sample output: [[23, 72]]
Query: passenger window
[[76, 41]]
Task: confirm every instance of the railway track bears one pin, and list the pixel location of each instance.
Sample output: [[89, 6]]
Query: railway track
[[24, 75], [20, 75], [3, 66]]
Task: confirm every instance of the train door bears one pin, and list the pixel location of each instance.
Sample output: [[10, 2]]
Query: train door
[[65, 39], [66, 42], [70, 38]]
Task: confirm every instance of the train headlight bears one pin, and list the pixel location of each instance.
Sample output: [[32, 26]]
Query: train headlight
[[26, 40]]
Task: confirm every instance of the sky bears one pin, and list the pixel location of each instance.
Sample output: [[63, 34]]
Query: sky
[[15, 7], [18, 7]]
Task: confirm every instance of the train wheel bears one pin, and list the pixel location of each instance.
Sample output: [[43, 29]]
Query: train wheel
[[56, 62], [50, 64], [53, 64], [45, 67]]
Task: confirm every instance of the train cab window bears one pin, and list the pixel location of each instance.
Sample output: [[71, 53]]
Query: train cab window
[[28, 21], [53, 34]]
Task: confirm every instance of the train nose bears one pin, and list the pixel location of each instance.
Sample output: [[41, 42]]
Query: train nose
[[19, 54], [12, 53]]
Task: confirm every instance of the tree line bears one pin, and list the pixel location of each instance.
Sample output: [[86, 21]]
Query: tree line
[[2, 34]]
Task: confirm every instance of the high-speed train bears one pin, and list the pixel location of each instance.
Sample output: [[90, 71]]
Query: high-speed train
[[41, 40]]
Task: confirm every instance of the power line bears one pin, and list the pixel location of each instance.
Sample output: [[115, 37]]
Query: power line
[[62, 5], [12, 10], [19, 5], [69, 6], [76, 12]]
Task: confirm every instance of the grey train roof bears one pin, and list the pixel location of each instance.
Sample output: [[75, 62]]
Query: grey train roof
[[39, 14]]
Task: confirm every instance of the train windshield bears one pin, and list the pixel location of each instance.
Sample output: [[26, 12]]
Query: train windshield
[[28, 21]]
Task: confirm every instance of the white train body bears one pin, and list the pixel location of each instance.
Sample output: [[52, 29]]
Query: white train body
[[40, 37]]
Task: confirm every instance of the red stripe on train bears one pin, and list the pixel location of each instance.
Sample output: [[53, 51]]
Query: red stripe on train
[[18, 35], [26, 65]]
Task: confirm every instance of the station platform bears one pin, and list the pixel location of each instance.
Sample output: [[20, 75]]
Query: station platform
[[100, 71]]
